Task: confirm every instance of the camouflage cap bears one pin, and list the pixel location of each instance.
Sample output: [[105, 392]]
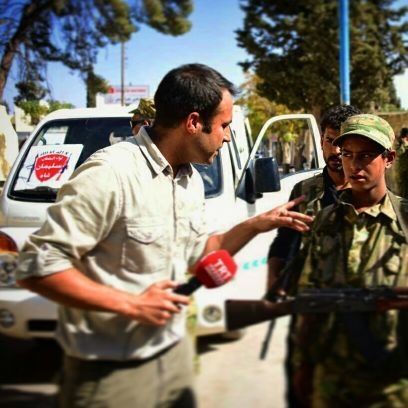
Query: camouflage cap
[[370, 126], [145, 108]]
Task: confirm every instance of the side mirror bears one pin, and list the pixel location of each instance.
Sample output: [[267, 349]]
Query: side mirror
[[261, 176], [266, 175]]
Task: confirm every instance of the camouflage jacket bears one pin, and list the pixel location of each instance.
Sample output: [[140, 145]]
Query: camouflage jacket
[[347, 248], [354, 351]]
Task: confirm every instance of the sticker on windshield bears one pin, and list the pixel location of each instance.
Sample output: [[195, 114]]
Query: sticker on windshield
[[49, 166]]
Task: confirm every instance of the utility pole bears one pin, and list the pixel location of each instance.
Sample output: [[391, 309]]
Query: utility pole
[[344, 52], [122, 73]]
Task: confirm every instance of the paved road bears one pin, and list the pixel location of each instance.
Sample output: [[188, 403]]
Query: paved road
[[231, 374]]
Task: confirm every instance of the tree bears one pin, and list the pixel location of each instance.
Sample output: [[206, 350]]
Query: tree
[[30, 93], [55, 105], [29, 90], [294, 49], [258, 108], [94, 84], [72, 31], [285, 134], [30, 96]]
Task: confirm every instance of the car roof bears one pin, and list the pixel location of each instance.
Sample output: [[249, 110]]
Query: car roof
[[109, 111]]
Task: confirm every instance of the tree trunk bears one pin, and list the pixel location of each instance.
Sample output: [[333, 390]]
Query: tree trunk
[[6, 63], [316, 112], [30, 13]]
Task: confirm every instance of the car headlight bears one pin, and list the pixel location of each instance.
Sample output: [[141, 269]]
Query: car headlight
[[212, 314], [8, 260]]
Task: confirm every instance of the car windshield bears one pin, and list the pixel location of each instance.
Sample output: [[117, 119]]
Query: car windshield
[[60, 146], [211, 176]]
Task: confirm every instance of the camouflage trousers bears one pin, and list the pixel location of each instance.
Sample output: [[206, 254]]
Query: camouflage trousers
[[334, 389]]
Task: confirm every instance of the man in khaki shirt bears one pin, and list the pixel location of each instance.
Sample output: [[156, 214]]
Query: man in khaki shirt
[[124, 230]]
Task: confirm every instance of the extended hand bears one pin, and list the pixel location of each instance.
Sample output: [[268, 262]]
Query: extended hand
[[282, 217]]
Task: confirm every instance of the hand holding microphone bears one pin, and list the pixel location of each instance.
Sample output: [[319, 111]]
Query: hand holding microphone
[[156, 305], [213, 270]]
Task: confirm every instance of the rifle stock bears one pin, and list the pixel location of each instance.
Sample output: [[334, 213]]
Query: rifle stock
[[242, 313]]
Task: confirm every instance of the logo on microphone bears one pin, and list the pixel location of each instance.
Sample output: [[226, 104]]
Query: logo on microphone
[[219, 272], [216, 268]]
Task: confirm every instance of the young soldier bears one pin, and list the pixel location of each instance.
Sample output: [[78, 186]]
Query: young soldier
[[356, 359]]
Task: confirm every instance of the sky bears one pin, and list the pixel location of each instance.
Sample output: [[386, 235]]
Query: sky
[[150, 55]]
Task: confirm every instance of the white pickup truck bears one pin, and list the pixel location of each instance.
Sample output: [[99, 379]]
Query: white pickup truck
[[243, 181]]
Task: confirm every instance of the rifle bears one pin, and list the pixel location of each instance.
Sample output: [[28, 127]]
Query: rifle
[[242, 313]]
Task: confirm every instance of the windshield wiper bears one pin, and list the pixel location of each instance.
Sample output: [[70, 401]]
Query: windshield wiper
[[45, 193]]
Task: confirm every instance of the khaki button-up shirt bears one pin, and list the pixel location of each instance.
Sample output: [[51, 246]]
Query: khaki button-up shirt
[[125, 221]]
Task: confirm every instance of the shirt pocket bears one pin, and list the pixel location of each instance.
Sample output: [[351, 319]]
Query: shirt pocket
[[197, 227], [327, 267], [146, 247]]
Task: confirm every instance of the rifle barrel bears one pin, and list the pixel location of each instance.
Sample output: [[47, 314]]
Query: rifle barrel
[[242, 313]]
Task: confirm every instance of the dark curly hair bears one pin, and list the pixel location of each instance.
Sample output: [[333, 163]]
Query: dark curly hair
[[336, 115], [404, 132]]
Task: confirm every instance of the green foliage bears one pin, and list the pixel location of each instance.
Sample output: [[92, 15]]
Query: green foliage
[[392, 108], [54, 105], [28, 91], [288, 137], [29, 99], [258, 108], [168, 17], [294, 49], [37, 109], [73, 31], [34, 109], [94, 84]]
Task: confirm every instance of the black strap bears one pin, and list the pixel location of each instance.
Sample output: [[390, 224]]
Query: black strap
[[400, 206]]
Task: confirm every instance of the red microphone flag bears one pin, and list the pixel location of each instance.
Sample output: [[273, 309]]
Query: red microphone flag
[[216, 268]]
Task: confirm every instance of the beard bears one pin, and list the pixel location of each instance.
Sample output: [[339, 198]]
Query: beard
[[334, 163]]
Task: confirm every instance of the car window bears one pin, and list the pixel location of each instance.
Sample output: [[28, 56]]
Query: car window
[[212, 177], [291, 142], [60, 146]]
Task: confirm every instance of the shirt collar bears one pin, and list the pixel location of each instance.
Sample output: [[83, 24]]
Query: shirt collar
[[383, 207], [154, 156]]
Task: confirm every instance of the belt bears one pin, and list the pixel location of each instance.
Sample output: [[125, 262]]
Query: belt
[[117, 363]]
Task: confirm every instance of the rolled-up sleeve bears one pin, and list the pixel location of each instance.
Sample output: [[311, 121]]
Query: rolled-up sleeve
[[75, 223]]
